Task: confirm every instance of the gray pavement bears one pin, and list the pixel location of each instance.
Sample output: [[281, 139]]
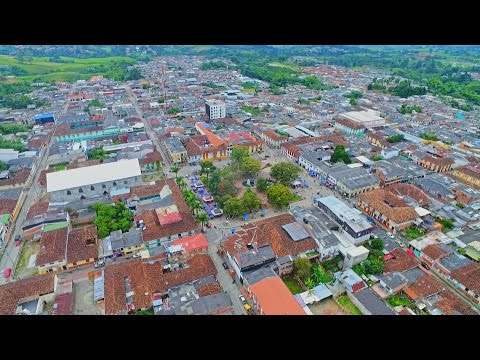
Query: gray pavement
[[223, 277]]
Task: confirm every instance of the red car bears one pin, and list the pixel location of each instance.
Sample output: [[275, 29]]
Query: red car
[[7, 272]]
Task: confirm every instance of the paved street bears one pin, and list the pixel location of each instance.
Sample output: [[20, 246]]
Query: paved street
[[148, 127], [33, 193], [223, 276]]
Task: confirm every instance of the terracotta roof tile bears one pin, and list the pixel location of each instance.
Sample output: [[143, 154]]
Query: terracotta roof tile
[[400, 262], [52, 247], [389, 205], [12, 293], [82, 244], [435, 252], [425, 286], [154, 230], [409, 190], [37, 208], [469, 276]]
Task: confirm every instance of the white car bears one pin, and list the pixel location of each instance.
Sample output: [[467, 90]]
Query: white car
[[242, 299], [390, 235]]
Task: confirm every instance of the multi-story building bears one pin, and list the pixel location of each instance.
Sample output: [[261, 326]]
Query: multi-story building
[[387, 208], [273, 139], [350, 127], [470, 174], [351, 181], [351, 220], [367, 118], [436, 164], [215, 109], [175, 150], [92, 181]]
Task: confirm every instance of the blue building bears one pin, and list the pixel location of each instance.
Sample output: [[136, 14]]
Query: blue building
[[44, 118]]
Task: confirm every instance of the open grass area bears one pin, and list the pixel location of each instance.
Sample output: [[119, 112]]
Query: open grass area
[[399, 300], [413, 233], [29, 248], [289, 66], [60, 167], [347, 305], [74, 69], [292, 284], [248, 90]]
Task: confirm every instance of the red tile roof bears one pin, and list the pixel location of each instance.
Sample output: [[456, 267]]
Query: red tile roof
[[150, 158], [7, 206], [155, 230], [435, 252], [194, 242], [389, 205], [37, 208], [424, 286], [82, 244], [269, 231], [410, 190], [274, 297], [12, 293], [401, 262], [274, 136], [52, 247], [469, 276], [209, 289], [450, 302], [147, 278]]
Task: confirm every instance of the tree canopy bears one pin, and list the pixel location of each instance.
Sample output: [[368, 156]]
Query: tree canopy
[[111, 218], [285, 172], [279, 195], [340, 155], [302, 267]]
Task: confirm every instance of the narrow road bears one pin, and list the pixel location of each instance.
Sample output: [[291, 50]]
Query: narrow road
[[148, 127], [223, 277], [33, 193]]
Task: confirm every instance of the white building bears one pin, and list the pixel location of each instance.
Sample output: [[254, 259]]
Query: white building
[[215, 109], [92, 181], [367, 118], [8, 154]]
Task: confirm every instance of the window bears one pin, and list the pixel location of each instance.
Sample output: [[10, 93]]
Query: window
[[80, 190], [69, 192], [125, 182], [82, 197], [103, 186], [179, 235], [105, 193], [92, 188], [114, 183]]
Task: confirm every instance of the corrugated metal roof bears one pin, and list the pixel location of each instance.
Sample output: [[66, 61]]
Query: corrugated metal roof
[[296, 231]]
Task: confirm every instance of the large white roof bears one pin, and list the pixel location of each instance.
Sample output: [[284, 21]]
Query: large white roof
[[67, 179]]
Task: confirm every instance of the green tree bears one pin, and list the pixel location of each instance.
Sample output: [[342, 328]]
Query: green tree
[[207, 167], [175, 169], [202, 219], [250, 166], [339, 154], [234, 207], [95, 103], [395, 138], [238, 155], [262, 185], [133, 74], [353, 102], [111, 218], [182, 184], [284, 172], [3, 166], [374, 266], [279, 195], [250, 201], [377, 244], [302, 267]]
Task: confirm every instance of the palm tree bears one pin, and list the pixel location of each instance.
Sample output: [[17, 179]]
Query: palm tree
[[195, 205], [182, 184], [175, 169], [202, 219]]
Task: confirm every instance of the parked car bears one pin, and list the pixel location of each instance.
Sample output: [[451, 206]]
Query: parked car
[[242, 299], [225, 266], [18, 240], [390, 235], [99, 264], [7, 272]]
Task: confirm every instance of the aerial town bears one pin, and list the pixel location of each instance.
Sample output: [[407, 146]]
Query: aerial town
[[319, 180]]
